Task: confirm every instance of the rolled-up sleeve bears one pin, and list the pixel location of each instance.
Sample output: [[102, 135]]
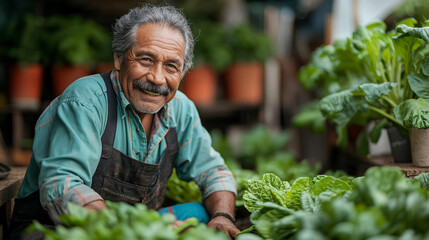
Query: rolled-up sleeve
[[216, 179], [67, 150], [197, 160]]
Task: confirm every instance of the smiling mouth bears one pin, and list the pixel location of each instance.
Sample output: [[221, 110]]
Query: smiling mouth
[[151, 93]]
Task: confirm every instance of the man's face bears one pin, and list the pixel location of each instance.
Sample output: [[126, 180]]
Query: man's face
[[152, 69]]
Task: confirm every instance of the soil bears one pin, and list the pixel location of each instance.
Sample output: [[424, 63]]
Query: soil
[[242, 218]]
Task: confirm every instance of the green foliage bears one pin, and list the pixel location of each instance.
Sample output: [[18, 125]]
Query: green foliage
[[249, 45], [284, 165], [210, 45], [260, 142], [75, 40], [417, 9], [123, 221], [383, 204], [373, 75], [181, 191], [221, 144], [310, 116], [269, 189], [272, 189], [413, 113], [23, 40], [261, 151]]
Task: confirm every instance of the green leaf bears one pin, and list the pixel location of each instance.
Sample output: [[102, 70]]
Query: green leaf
[[269, 189], [310, 116], [342, 107], [413, 113], [362, 144], [181, 191], [293, 197], [425, 66], [249, 236], [373, 91], [331, 184], [422, 32], [419, 83], [375, 133], [308, 76], [424, 179], [410, 22]]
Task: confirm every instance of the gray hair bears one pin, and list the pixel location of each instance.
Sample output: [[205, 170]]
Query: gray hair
[[125, 28]]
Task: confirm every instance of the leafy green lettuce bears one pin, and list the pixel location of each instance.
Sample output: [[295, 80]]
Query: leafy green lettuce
[[272, 189], [123, 221], [382, 204]]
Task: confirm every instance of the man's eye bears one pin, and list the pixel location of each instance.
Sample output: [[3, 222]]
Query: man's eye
[[145, 61], [171, 67]]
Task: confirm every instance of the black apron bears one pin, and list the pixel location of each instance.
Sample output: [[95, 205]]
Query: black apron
[[118, 178]]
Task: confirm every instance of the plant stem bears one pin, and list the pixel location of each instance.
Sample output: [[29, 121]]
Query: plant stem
[[384, 114], [388, 100], [398, 80], [382, 72]]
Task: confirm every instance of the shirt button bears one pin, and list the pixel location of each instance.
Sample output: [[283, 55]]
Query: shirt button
[[138, 130], [137, 153]]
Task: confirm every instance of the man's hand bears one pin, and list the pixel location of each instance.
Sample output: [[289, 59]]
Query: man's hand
[[225, 225], [224, 202]]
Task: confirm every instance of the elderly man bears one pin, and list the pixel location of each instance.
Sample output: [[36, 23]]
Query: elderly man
[[117, 136]]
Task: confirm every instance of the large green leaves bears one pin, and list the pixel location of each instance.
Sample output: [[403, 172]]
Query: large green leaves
[[124, 221], [272, 189], [413, 113], [269, 189], [343, 106], [383, 204], [422, 32], [419, 83]]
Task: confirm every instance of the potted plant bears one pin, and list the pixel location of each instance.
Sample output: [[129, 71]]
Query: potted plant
[[23, 49], [244, 78], [75, 44], [212, 56], [391, 68], [413, 113]]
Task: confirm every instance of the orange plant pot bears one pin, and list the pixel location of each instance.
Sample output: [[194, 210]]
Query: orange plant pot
[[200, 85], [26, 85], [244, 83], [64, 75]]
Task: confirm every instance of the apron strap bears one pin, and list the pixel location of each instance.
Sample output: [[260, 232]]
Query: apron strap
[[108, 137]]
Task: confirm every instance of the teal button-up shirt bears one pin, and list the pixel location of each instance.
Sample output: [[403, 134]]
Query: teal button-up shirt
[[67, 144]]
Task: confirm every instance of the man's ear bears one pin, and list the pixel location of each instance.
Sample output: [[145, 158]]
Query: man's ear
[[117, 62]]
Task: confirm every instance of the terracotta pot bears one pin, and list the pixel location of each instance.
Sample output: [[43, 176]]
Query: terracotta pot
[[419, 139], [26, 86], [244, 82], [200, 85], [64, 75]]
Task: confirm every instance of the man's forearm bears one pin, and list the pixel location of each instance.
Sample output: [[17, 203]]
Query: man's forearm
[[222, 201], [222, 206]]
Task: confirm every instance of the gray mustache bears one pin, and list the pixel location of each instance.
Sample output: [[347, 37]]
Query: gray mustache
[[151, 87]]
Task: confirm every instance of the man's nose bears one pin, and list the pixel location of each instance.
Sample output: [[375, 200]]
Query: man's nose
[[156, 74]]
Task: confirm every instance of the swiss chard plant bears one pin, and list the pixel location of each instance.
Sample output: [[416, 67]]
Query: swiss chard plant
[[374, 75]]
